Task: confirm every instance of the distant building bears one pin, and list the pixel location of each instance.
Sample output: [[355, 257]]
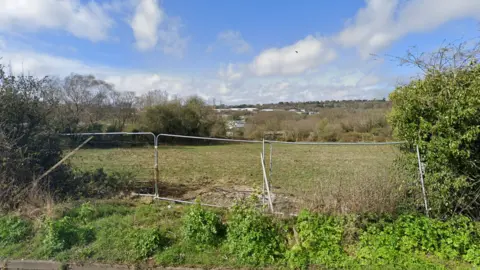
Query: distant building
[[235, 124]]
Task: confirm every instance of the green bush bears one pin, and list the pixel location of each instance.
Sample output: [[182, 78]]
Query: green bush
[[473, 255], [65, 233], [13, 230], [386, 242], [202, 227], [441, 114], [62, 234], [253, 237], [146, 241], [318, 242]]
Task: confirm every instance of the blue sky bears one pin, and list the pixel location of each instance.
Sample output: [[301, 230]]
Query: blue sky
[[234, 51]]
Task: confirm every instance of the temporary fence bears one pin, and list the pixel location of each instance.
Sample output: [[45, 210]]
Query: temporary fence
[[330, 176]]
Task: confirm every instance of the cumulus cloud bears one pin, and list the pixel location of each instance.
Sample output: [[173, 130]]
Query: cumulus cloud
[[83, 20], [151, 26], [382, 22], [297, 58], [233, 40], [145, 22]]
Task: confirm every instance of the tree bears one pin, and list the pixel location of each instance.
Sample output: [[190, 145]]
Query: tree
[[153, 98], [28, 141], [190, 117], [440, 112], [123, 107], [84, 96]]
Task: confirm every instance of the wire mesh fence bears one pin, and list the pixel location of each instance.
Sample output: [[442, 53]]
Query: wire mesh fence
[[325, 177]]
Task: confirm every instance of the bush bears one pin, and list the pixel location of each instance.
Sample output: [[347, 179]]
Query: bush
[[13, 230], [202, 227], [65, 233], [29, 144], [189, 117], [146, 241], [95, 184], [252, 237], [319, 242], [386, 242], [441, 114]]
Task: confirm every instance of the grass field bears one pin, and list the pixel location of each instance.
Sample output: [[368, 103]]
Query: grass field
[[341, 178]]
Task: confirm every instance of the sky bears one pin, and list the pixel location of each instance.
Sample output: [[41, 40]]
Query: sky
[[235, 51]]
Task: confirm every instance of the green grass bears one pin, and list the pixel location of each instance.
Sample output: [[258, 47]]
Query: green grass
[[330, 178]]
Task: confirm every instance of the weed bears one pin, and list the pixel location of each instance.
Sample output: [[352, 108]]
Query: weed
[[202, 227], [64, 233], [318, 242], [252, 237], [13, 229]]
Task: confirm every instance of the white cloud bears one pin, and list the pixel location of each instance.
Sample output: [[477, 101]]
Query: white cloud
[[230, 72], [305, 54], [230, 84], [172, 42], [88, 21], [382, 22], [152, 26], [145, 22], [232, 39]]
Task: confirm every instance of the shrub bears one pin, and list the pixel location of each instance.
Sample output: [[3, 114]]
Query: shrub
[[146, 241], [202, 227], [64, 233], [95, 184], [473, 255], [13, 229], [68, 231], [319, 242], [385, 242], [441, 114], [252, 237]]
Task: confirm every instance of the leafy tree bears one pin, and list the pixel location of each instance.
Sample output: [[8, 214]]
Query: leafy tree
[[190, 117], [440, 113]]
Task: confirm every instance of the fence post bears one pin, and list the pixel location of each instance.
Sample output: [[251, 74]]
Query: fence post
[[271, 165], [420, 170], [263, 164], [155, 142], [265, 179]]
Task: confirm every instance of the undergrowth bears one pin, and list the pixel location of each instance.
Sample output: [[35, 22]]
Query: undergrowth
[[244, 236]]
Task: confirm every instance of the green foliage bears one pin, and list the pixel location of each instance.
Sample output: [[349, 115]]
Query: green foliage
[[319, 242], [441, 113], [190, 117], [13, 229], [65, 233], [69, 231], [473, 255], [28, 142], [202, 227], [146, 241], [386, 242], [253, 237]]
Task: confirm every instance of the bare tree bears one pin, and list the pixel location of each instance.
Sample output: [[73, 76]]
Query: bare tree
[[123, 105], [152, 98], [452, 56], [82, 92]]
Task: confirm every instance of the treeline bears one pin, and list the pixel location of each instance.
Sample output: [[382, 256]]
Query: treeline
[[329, 125], [317, 105]]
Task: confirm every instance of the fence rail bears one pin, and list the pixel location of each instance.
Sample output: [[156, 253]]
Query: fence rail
[[310, 175]]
